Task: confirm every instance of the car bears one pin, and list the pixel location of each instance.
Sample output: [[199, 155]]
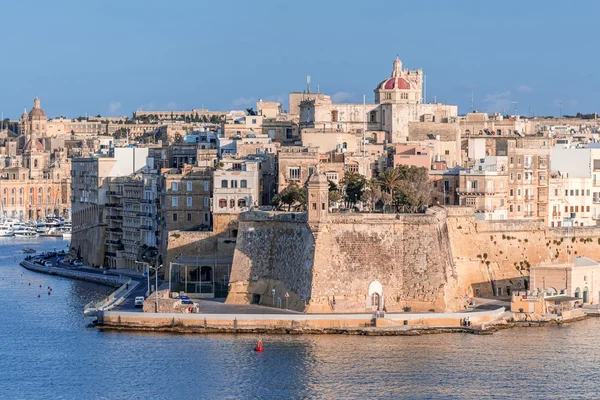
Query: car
[[77, 263], [188, 301], [139, 301], [48, 264]]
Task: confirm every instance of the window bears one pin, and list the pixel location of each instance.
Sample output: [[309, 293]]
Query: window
[[576, 192], [174, 201], [231, 203], [294, 173], [224, 184], [188, 186], [189, 201], [174, 186], [372, 116], [518, 208], [206, 186], [189, 217], [222, 203], [243, 184], [510, 208], [174, 217], [512, 192], [332, 176], [206, 202], [241, 203], [334, 116], [234, 184], [572, 192], [447, 152], [566, 192]]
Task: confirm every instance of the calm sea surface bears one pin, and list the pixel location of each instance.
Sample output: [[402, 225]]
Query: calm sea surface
[[47, 351]]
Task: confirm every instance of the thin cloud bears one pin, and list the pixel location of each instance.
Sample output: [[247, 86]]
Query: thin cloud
[[114, 106], [525, 89], [498, 102], [341, 97]]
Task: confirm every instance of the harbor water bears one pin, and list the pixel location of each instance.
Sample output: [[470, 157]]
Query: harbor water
[[49, 351]]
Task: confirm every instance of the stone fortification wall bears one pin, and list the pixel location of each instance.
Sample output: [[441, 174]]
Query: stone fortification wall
[[498, 254], [405, 259], [406, 255], [90, 244], [274, 251]]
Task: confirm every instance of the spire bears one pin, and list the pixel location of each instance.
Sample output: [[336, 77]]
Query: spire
[[397, 73], [24, 115], [36, 102]]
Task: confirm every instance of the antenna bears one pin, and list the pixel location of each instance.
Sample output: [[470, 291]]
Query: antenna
[[560, 109], [307, 83], [515, 103]]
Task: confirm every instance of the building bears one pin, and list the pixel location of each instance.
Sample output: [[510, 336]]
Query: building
[[35, 123], [398, 101], [579, 278], [237, 186], [187, 195], [89, 198], [131, 219], [484, 188]]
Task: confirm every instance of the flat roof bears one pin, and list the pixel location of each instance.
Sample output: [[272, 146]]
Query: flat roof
[[561, 299]]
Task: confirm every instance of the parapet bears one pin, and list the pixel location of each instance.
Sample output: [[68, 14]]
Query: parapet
[[278, 216]]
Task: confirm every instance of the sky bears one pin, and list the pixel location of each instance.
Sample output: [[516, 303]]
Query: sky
[[114, 57]]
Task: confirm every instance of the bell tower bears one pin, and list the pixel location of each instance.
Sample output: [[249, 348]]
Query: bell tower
[[317, 197]]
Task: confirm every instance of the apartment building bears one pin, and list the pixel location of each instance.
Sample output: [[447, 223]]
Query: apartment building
[[484, 188], [187, 197]]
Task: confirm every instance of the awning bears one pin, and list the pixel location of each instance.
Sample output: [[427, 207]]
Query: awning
[[561, 299]]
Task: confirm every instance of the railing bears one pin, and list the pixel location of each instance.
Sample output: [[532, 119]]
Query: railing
[[98, 305], [146, 227]]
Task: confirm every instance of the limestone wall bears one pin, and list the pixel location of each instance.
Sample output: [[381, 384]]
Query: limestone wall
[[408, 257], [90, 243], [498, 254], [272, 254]]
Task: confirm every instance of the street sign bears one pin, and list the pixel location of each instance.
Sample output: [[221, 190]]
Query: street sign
[[273, 292], [279, 299], [287, 294]]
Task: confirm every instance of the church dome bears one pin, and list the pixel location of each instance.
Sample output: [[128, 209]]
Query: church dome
[[37, 111], [394, 83]]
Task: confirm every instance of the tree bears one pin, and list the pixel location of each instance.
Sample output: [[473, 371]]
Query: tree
[[372, 194], [291, 195], [414, 190], [121, 133], [214, 119], [178, 138], [354, 186], [334, 192], [388, 180]]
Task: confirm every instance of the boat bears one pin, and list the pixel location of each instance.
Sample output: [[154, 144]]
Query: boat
[[25, 232], [66, 235], [29, 251], [5, 230]]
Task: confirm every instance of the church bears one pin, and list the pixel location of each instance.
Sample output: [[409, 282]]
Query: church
[[398, 100]]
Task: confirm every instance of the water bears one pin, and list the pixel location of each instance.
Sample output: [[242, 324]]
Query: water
[[47, 351]]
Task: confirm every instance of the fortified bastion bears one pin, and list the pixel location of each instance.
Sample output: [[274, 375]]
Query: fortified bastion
[[355, 262]]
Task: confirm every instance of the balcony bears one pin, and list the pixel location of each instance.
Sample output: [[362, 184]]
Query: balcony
[[111, 254], [145, 227], [114, 217], [144, 214], [146, 201], [115, 230], [596, 200], [113, 205], [476, 192]]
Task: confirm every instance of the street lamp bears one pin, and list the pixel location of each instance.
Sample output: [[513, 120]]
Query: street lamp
[[156, 280]]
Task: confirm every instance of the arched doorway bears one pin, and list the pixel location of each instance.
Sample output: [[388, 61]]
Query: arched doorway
[[585, 294], [578, 293], [375, 296]]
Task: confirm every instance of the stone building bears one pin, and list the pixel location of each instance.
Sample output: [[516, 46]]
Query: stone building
[[89, 197], [398, 101], [35, 123], [187, 196], [484, 188], [579, 278], [237, 186], [131, 219]]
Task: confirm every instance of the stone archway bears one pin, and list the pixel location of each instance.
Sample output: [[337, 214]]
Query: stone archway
[[375, 296]]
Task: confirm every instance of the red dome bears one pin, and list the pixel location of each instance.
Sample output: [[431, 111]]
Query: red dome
[[37, 112], [395, 83]]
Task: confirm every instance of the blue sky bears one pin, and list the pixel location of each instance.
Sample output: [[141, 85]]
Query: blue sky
[[113, 57]]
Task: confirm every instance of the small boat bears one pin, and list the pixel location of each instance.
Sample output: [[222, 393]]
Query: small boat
[[66, 235], [6, 231], [26, 232], [29, 251]]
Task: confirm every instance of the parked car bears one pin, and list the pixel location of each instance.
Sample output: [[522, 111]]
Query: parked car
[[77, 263], [47, 264], [139, 301]]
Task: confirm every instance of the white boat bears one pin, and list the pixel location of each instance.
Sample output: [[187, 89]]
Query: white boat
[[25, 232], [66, 235], [6, 231]]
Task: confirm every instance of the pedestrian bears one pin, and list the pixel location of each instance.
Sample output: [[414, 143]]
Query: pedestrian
[[468, 321], [333, 304]]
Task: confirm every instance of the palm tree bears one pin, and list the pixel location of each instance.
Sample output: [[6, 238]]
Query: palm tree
[[389, 180]]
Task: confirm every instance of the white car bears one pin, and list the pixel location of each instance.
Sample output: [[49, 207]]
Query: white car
[[77, 263], [139, 301], [48, 264]]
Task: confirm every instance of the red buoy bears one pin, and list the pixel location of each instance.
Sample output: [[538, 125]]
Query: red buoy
[[38, 296], [259, 346], [48, 293]]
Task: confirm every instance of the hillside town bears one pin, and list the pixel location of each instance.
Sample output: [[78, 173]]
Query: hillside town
[[172, 187]]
